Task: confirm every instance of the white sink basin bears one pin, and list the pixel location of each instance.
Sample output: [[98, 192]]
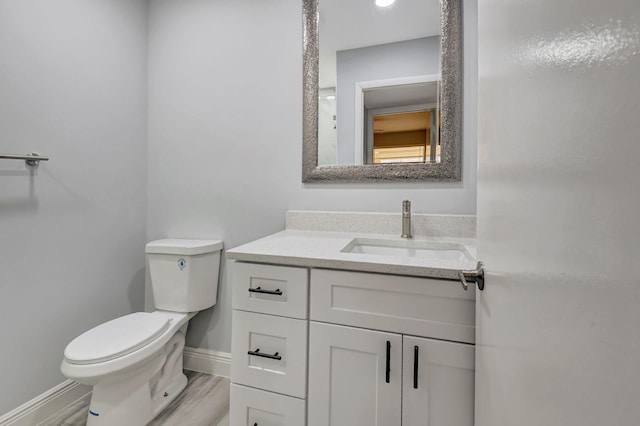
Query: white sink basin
[[427, 250]]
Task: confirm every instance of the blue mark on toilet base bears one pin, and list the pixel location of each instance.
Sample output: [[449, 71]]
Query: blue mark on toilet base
[[93, 414]]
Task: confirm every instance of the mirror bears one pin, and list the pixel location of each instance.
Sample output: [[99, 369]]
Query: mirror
[[382, 91]]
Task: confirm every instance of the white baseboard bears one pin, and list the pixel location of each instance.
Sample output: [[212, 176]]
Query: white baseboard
[[50, 402], [207, 361], [45, 405]]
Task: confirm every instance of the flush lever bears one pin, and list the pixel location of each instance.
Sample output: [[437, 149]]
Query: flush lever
[[474, 276]]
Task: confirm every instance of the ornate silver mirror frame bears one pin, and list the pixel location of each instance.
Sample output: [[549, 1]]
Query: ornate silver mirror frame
[[449, 169]]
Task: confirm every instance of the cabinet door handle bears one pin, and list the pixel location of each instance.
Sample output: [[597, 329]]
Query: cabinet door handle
[[263, 355], [277, 291], [388, 369], [415, 367]]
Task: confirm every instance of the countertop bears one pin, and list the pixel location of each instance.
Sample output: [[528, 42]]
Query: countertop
[[321, 249]]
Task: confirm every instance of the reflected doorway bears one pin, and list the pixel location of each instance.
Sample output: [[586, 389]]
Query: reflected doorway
[[404, 137]]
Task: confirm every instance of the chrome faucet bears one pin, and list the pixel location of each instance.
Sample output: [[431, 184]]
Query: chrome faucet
[[406, 219]]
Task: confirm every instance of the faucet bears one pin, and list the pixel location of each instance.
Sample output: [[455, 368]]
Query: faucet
[[406, 219]]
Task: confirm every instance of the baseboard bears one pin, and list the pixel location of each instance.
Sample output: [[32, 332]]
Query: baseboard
[[207, 361], [45, 405], [50, 402]]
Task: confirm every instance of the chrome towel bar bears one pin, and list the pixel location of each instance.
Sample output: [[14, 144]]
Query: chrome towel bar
[[32, 159]]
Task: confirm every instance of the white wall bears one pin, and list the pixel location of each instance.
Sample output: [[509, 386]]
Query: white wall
[[407, 58], [72, 86], [225, 133]]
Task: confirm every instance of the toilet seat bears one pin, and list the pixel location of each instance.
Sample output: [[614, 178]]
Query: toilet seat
[[116, 338]]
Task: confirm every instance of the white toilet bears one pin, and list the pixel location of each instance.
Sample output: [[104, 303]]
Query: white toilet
[[134, 362]]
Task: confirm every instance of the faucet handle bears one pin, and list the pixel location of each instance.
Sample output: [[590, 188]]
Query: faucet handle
[[406, 206], [406, 219]]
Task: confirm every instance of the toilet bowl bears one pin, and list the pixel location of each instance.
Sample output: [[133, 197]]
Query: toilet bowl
[[134, 362]]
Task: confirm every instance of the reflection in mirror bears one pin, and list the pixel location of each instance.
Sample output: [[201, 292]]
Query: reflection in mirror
[[382, 91], [362, 47], [401, 122]]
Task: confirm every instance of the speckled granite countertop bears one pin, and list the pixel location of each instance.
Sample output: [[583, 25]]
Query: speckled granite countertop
[[325, 250]]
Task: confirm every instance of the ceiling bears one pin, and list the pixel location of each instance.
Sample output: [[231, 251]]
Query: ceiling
[[401, 95], [358, 23]]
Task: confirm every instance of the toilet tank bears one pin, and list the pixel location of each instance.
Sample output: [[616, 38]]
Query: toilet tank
[[184, 273]]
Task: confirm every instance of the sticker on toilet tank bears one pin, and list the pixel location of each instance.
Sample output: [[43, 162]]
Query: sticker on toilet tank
[[182, 263]]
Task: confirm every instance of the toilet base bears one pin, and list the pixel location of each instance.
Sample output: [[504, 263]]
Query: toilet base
[[143, 394], [136, 409]]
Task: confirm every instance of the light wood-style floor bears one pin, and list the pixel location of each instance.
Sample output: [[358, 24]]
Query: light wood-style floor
[[204, 402]]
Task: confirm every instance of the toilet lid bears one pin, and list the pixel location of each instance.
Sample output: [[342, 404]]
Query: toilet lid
[[116, 338]]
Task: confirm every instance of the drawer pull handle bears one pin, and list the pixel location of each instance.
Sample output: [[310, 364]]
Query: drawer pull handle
[[388, 369], [263, 355], [277, 291], [415, 367]]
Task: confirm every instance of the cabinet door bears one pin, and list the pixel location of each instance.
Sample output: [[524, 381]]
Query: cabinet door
[[438, 383], [352, 380]]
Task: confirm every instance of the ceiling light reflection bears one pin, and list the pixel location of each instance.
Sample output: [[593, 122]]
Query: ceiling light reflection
[[384, 3]]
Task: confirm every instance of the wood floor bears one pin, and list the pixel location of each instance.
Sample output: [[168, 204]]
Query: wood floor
[[204, 402]]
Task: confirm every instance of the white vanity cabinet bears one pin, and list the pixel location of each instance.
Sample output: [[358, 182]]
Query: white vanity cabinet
[[383, 376], [342, 348], [365, 377], [269, 345]]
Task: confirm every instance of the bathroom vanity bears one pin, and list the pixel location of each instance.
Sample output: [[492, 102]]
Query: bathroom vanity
[[343, 328]]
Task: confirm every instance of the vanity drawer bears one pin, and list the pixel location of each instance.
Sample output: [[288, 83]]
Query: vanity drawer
[[269, 352], [426, 307], [249, 407], [275, 290]]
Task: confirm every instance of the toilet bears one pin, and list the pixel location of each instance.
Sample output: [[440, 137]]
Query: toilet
[[134, 362]]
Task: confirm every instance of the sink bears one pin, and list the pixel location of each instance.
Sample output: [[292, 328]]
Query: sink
[[427, 250]]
